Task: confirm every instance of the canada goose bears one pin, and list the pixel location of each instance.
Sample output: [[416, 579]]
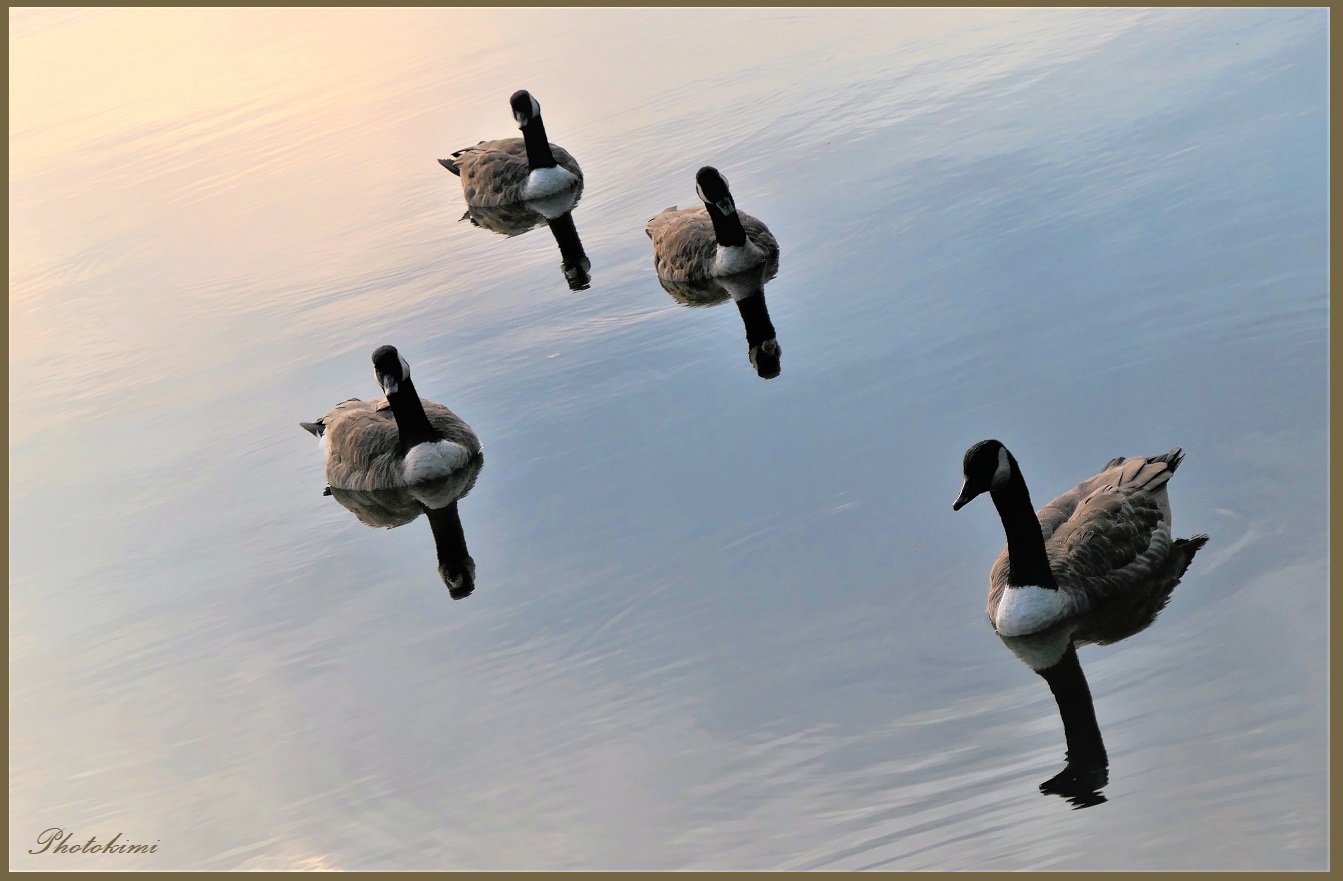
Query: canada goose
[[692, 244], [1097, 541], [393, 442], [437, 500], [747, 290], [516, 169]]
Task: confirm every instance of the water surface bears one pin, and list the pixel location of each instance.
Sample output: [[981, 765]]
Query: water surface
[[718, 622]]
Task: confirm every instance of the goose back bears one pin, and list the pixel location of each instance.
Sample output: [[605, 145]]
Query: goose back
[[1105, 535], [495, 173], [685, 247], [363, 444]]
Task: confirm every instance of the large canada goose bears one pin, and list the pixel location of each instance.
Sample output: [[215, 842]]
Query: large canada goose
[[692, 244], [516, 169], [437, 500], [395, 441], [747, 290], [1100, 539]]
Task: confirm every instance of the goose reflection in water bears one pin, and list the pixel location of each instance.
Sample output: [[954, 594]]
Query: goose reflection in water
[[1053, 655], [437, 500], [557, 212], [747, 290]]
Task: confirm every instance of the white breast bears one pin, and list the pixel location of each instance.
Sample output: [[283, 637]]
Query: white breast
[[737, 258], [542, 182], [1025, 610], [432, 460]]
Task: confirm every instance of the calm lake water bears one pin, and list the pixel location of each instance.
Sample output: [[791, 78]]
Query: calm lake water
[[719, 622]]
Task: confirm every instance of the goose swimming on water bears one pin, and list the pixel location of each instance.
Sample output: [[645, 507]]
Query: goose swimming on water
[[1099, 540], [692, 244], [395, 441], [516, 169]]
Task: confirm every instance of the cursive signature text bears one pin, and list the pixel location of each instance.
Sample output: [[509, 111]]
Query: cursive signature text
[[57, 840]]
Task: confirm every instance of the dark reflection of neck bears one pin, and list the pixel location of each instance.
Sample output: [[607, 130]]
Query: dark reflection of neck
[[450, 543], [566, 236], [1085, 772], [756, 318], [539, 154]]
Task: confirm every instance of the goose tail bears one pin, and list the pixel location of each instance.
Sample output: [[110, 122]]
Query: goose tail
[[1172, 459], [451, 165], [1182, 552]]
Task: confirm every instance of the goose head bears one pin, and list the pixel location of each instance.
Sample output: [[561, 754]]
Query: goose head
[[712, 189], [525, 107], [987, 466], [390, 368], [578, 273], [765, 359], [459, 576]]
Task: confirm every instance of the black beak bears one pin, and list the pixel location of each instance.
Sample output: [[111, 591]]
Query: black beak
[[964, 498]]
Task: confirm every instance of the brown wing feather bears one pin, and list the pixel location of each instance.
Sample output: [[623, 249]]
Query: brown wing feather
[[1108, 533], [495, 172], [1112, 541]]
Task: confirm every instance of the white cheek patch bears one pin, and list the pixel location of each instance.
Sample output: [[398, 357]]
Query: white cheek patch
[[699, 191], [405, 368], [1004, 471], [1029, 609], [536, 108]]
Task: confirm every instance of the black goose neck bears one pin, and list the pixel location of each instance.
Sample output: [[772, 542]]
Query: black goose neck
[[411, 421], [539, 154], [756, 318], [1027, 561], [727, 228]]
